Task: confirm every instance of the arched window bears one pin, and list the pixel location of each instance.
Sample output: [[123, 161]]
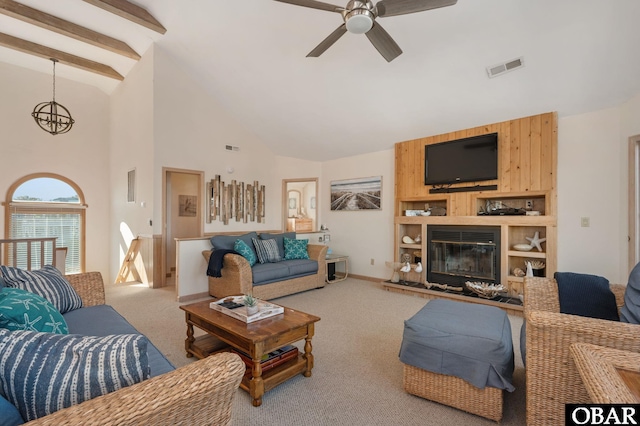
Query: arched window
[[48, 205]]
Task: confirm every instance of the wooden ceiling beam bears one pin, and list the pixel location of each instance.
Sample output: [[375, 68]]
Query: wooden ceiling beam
[[130, 11], [66, 28], [63, 57]]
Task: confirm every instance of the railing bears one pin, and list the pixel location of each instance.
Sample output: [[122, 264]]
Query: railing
[[26, 253]]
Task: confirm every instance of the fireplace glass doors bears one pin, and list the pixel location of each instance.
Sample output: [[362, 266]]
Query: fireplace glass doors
[[463, 253]]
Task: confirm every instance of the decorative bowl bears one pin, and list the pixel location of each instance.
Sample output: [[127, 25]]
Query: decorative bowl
[[522, 247], [485, 290]]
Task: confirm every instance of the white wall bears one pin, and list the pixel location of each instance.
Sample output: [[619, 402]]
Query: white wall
[[80, 155], [589, 155], [362, 235], [191, 132], [132, 148]]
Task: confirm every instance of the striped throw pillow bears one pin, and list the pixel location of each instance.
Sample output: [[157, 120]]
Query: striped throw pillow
[[267, 250], [47, 282], [41, 373]]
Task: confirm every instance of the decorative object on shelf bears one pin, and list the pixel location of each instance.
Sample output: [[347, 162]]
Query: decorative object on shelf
[[226, 201], [529, 269], [485, 290], [445, 287], [437, 211], [418, 267], [418, 255], [537, 267], [522, 247], [51, 116], [251, 303], [417, 239], [357, 194], [405, 268], [517, 272], [405, 258], [536, 241], [408, 240]]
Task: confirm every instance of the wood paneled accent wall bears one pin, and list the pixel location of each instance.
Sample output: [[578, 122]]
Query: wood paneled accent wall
[[527, 163]]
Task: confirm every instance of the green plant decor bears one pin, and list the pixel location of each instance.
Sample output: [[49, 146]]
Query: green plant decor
[[249, 300]]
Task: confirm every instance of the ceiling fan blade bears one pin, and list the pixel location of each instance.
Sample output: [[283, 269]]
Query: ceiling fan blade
[[382, 41], [314, 5], [402, 7], [328, 42]]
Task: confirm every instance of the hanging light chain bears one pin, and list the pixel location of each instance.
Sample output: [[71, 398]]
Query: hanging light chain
[[54, 78]]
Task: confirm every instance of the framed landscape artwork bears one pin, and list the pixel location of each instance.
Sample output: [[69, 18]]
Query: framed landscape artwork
[[357, 194]]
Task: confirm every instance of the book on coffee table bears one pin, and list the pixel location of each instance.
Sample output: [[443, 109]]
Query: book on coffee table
[[272, 359], [234, 307]]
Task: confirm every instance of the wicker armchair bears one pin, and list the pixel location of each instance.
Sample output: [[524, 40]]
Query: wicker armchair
[[200, 393], [551, 374]]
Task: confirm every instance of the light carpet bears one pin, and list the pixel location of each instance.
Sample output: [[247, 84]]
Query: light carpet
[[357, 377]]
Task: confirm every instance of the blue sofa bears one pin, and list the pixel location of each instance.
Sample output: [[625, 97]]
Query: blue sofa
[[200, 392], [270, 279]]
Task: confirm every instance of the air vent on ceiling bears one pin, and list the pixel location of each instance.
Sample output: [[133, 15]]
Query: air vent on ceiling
[[232, 148], [499, 69]]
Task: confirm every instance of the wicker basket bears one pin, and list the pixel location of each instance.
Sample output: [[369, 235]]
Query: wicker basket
[[454, 392]]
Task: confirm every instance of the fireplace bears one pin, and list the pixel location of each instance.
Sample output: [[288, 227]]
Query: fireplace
[[463, 253]]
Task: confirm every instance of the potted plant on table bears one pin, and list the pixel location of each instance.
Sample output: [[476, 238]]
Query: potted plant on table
[[251, 303]]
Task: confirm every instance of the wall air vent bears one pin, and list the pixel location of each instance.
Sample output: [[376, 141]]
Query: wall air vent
[[504, 67], [231, 148]]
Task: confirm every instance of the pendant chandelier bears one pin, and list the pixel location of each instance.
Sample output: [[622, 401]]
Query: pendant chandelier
[[51, 116]]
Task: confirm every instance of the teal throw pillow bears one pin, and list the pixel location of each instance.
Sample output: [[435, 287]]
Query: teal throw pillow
[[22, 310], [246, 252], [41, 373], [295, 249]]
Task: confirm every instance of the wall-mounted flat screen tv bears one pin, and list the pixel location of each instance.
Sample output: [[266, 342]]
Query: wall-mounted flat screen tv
[[462, 160]]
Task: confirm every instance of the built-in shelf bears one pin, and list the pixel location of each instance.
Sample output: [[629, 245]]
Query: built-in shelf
[[531, 254]]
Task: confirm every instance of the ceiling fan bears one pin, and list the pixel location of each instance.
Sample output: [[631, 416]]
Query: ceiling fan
[[359, 18]]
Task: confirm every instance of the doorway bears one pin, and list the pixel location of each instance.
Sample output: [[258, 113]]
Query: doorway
[[182, 215], [300, 204]]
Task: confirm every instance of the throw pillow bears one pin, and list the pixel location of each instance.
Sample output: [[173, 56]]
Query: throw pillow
[[2, 283], [295, 249], [279, 239], [630, 312], [9, 414], [586, 295], [41, 373], [21, 310], [246, 252], [267, 250], [47, 282]]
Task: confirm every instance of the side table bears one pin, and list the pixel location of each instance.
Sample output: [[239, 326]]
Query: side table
[[610, 376], [331, 260]]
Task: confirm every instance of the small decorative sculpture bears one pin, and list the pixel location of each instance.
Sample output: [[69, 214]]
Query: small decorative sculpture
[[536, 241], [418, 267], [529, 270], [405, 268]]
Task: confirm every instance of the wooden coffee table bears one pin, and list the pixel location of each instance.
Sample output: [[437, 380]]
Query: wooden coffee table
[[255, 339]]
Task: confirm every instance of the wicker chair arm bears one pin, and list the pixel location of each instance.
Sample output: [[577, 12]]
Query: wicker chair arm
[[200, 393], [237, 277], [317, 251], [89, 286]]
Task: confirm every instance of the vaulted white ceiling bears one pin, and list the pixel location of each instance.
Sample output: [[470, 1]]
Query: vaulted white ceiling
[[579, 55]]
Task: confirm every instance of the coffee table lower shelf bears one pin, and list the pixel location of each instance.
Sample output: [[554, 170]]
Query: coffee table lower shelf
[[206, 345]]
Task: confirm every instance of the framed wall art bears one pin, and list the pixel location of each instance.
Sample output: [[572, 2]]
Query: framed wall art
[[357, 194]]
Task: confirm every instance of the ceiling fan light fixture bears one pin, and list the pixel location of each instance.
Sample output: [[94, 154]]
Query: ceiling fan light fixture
[[359, 21]]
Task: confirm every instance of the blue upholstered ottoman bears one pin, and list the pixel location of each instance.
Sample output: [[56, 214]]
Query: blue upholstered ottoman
[[459, 354]]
